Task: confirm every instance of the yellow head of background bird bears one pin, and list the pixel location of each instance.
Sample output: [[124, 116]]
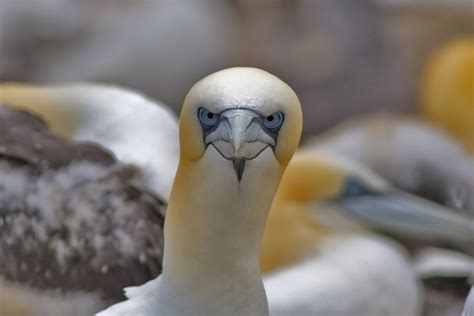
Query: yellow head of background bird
[[447, 90], [322, 194]]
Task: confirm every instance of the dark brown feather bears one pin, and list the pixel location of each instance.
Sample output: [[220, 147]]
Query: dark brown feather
[[126, 219], [26, 138]]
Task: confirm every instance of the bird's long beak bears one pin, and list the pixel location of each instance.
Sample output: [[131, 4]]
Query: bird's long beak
[[240, 137], [401, 213]]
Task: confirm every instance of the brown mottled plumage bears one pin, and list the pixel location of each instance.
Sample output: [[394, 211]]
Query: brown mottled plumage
[[72, 218]]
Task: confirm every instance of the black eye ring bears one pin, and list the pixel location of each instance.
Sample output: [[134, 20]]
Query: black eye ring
[[207, 119], [274, 121]]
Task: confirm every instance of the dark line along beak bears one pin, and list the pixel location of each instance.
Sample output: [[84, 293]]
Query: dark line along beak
[[402, 213]]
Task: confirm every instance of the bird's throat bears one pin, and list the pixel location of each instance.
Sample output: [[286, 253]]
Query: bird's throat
[[217, 227], [213, 233]]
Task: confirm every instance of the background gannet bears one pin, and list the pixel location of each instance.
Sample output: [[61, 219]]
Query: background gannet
[[73, 215], [447, 90], [413, 153], [136, 129], [238, 130], [420, 158], [75, 225], [334, 264], [416, 155], [410, 154]]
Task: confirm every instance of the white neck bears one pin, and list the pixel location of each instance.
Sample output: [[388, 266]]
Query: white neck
[[213, 236]]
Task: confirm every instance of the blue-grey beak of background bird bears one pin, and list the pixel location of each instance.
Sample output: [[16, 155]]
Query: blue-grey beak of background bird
[[398, 212]]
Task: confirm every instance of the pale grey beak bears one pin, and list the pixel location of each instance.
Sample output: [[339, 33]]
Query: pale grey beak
[[240, 137], [399, 212]]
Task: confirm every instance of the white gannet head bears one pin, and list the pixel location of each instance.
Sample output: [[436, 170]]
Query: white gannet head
[[240, 113]]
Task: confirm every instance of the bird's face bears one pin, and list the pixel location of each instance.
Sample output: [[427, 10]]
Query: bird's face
[[240, 113], [315, 176], [335, 186]]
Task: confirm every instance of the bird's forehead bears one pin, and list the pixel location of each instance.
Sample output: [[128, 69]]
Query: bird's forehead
[[221, 103], [252, 89]]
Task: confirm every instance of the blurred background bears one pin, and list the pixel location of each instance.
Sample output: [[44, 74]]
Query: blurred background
[[342, 57]]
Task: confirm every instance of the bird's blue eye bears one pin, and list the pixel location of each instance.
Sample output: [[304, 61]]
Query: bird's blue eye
[[207, 118], [274, 121], [354, 187]]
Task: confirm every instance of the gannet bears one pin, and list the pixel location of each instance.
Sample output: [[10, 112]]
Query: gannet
[[412, 152], [413, 155], [253, 89], [318, 239], [48, 164], [137, 130], [67, 300], [421, 159], [239, 128], [90, 216], [361, 247], [318, 260], [447, 90], [75, 225]]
